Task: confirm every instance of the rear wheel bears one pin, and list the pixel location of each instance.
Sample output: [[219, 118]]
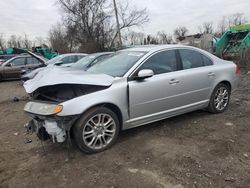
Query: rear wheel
[[97, 130], [219, 99]]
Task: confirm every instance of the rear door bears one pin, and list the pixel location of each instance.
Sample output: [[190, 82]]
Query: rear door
[[32, 63], [196, 78]]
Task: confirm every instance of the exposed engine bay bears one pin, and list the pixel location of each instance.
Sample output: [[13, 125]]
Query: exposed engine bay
[[64, 92]]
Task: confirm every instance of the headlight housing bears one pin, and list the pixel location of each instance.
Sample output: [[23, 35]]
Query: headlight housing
[[43, 108]]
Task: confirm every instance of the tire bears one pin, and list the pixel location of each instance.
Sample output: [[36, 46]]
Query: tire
[[91, 135], [219, 100]]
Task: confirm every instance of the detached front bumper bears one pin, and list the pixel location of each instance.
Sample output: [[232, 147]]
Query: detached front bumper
[[46, 124]]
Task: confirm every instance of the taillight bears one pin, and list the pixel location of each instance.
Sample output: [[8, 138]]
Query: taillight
[[237, 71]]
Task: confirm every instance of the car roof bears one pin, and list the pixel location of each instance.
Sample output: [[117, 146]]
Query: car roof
[[69, 54], [152, 48], [17, 56], [101, 53]]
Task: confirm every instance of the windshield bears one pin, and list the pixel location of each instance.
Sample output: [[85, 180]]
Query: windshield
[[118, 64], [54, 60], [84, 62]]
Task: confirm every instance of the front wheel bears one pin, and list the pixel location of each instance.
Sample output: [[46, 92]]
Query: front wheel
[[219, 99], [97, 130]]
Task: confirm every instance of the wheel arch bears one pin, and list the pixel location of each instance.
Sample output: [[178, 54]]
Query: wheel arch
[[112, 107], [227, 83]]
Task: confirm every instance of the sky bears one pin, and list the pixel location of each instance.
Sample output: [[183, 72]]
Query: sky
[[35, 17]]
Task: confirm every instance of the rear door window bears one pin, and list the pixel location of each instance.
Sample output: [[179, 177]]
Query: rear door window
[[32, 61], [190, 59], [207, 61]]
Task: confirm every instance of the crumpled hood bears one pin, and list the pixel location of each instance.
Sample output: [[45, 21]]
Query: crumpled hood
[[56, 75]]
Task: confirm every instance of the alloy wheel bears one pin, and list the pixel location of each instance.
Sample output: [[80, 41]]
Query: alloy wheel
[[221, 98], [99, 131]]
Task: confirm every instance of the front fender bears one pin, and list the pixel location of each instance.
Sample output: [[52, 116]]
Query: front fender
[[116, 94]]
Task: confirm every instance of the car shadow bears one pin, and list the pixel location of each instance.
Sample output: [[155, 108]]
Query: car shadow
[[173, 123]]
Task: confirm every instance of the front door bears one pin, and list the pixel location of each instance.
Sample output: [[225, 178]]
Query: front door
[[156, 94]]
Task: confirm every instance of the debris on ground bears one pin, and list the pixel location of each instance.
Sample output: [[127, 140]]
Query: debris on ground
[[27, 140], [230, 179], [16, 99], [229, 124], [245, 155], [16, 134]]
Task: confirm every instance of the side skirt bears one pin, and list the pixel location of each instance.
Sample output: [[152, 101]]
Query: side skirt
[[136, 122]]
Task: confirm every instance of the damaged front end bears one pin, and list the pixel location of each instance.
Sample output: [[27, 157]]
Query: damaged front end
[[49, 91], [46, 102], [46, 124]]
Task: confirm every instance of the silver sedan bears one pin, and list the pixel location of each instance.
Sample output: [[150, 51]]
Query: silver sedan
[[134, 87]]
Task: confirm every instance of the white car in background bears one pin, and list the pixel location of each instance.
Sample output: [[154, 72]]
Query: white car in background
[[66, 59], [61, 60]]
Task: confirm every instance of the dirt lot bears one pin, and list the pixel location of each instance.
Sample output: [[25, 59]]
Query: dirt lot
[[193, 150]]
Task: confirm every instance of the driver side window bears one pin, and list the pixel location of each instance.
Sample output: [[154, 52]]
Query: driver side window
[[18, 62], [161, 62]]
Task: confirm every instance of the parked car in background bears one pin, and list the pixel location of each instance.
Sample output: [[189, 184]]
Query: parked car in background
[[134, 87], [92, 59], [65, 59], [12, 68], [82, 64]]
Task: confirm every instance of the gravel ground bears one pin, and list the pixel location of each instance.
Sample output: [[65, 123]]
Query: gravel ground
[[198, 149]]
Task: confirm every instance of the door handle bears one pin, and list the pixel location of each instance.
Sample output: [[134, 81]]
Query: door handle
[[174, 81], [211, 74]]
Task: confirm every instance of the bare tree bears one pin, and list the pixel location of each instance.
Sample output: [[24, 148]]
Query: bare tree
[[13, 42], [236, 19], [93, 23], [135, 38], [40, 41], [222, 26], [57, 39], [26, 42], [206, 28], [181, 31], [164, 38], [130, 16], [2, 42], [88, 18]]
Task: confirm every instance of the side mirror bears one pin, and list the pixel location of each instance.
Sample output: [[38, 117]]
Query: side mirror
[[42, 65], [58, 63], [8, 65], [145, 73]]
